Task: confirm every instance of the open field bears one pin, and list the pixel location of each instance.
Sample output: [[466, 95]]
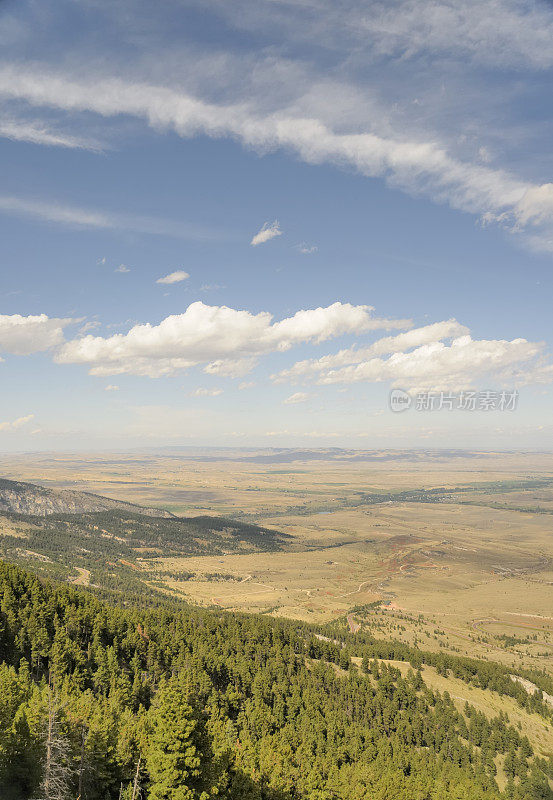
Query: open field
[[450, 551]]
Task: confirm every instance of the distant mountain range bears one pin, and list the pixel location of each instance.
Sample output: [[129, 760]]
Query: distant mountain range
[[29, 498]]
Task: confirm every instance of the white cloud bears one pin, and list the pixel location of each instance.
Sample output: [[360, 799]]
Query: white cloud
[[306, 249], [267, 232], [174, 277], [417, 165], [73, 216], [246, 385], [442, 355], [309, 368], [33, 334], [456, 366], [231, 367], [16, 423], [122, 268], [297, 397], [111, 387], [91, 325], [36, 132], [228, 340], [491, 32], [51, 212], [206, 392], [535, 206]]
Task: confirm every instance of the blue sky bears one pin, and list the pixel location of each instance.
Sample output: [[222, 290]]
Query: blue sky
[[244, 224]]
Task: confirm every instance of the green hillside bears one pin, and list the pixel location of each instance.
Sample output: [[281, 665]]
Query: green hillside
[[182, 704], [113, 545]]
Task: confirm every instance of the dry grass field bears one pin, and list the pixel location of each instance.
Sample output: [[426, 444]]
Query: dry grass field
[[470, 569]]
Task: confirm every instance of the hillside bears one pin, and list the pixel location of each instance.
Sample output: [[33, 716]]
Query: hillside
[[29, 498], [188, 703], [122, 551]]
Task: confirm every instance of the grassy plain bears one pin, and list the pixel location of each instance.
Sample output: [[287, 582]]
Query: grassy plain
[[469, 568]]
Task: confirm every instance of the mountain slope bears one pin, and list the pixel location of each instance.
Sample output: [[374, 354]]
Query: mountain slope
[[185, 703], [118, 546], [29, 498]]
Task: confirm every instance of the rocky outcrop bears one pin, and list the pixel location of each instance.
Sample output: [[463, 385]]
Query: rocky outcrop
[[29, 498]]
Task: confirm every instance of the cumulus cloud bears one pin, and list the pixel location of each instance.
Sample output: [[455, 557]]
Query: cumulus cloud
[[22, 336], [16, 423], [297, 397], [427, 334], [267, 232], [452, 366], [174, 277], [225, 339]]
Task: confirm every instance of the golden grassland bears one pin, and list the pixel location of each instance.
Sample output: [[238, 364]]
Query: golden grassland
[[478, 569]]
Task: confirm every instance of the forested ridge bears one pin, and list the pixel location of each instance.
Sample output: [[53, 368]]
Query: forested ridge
[[114, 545], [177, 703]]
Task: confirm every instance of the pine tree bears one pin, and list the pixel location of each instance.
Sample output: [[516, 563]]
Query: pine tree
[[173, 760]]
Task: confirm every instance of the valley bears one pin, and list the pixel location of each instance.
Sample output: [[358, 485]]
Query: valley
[[445, 550]]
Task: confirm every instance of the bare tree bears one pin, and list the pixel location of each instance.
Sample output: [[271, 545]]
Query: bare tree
[[136, 783], [57, 771]]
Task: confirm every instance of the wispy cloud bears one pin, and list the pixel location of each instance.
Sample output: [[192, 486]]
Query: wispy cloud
[[297, 397], [52, 212], [174, 277], [122, 268], [306, 249], [74, 216], [201, 392], [415, 165], [404, 96], [269, 231], [37, 132], [495, 33]]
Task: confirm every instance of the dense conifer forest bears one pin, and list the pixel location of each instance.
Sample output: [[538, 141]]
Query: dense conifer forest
[[174, 703]]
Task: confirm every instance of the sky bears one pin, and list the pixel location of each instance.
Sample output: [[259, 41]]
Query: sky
[[246, 224]]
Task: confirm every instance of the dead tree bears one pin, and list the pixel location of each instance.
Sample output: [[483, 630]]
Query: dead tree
[[57, 772]]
